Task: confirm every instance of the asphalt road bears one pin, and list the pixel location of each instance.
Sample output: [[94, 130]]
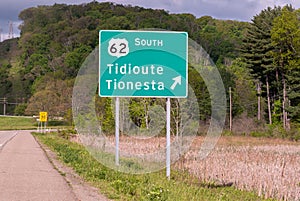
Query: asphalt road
[[26, 173], [6, 136]]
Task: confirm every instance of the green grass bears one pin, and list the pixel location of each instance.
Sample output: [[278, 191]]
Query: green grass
[[16, 123], [28, 123], [154, 186]]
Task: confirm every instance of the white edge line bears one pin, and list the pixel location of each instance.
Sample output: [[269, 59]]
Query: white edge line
[[3, 144]]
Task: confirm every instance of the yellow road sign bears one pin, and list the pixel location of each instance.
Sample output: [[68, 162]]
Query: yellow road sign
[[43, 116]]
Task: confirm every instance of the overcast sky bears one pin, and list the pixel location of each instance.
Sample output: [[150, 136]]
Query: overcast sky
[[242, 10]]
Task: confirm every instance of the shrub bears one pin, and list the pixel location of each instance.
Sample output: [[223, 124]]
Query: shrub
[[57, 123], [156, 193], [20, 109], [66, 134]]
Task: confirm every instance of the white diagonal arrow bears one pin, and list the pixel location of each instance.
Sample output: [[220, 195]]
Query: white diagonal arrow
[[177, 80]]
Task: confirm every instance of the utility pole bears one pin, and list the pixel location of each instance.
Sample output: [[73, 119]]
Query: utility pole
[[284, 113], [4, 102], [258, 88], [4, 106], [269, 102], [230, 110]]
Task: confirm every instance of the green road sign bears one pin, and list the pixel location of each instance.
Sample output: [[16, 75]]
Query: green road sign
[[143, 64]]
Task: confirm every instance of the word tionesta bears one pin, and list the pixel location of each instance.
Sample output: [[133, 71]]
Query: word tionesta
[[130, 85], [129, 69]]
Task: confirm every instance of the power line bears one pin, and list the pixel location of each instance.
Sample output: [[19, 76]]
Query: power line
[[5, 103]]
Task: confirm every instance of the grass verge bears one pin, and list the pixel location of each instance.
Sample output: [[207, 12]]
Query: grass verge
[[154, 186], [28, 123], [17, 123]]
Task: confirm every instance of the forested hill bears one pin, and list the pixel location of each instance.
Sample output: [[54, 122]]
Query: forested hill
[[62, 31], [56, 39], [258, 60]]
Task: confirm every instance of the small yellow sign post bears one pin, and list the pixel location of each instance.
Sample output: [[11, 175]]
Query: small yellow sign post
[[42, 120], [43, 116]]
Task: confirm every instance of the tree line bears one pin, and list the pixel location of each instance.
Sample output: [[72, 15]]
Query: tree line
[[271, 50], [258, 60]]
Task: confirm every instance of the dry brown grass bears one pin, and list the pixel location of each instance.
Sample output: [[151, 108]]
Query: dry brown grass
[[269, 167]]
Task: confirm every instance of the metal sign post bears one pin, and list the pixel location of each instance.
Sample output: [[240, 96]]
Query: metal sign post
[[168, 144], [143, 64], [117, 131], [43, 120]]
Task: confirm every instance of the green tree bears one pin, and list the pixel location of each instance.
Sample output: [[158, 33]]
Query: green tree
[[201, 93], [139, 111], [74, 59], [55, 41], [5, 83], [244, 88], [285, 37], [20, 109], [257, 54], [51, 94], [105, 114]]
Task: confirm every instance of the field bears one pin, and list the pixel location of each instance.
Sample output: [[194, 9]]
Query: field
[[153, 186], [17, 123], [269, 167], [28, 123]]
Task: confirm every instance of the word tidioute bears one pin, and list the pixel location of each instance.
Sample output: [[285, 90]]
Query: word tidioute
[[129, 69]]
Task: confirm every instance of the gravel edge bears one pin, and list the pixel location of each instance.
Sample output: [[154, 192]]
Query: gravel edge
[[82, 190]]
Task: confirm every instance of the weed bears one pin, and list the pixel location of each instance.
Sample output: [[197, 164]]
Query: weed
[[152, 186]]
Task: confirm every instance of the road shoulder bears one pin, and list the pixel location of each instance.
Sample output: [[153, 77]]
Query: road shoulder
[[82, 190]]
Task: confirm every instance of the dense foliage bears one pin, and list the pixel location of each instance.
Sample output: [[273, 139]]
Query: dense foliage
[[271, 52], [39, 67]]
